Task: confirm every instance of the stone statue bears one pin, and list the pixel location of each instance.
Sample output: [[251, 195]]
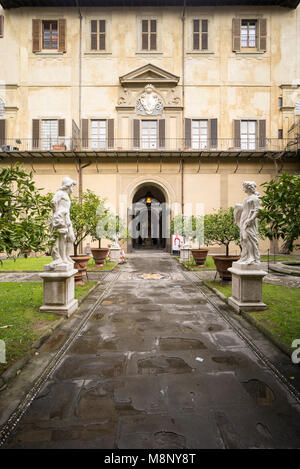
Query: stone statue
[[245, 216], [149, 103], [62, 224]]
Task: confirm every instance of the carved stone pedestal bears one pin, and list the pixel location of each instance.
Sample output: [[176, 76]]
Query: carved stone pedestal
[[185, 254], [59, 290], [115, 255], [247, 287]]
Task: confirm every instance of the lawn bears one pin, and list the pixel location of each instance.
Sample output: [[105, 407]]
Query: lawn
[[37, 264], [19, 307], [282, 317]]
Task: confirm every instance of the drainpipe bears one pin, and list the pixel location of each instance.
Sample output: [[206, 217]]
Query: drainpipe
[[79, 97], [183, 99]]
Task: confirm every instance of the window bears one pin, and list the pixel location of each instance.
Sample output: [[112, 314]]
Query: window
[[199, 134], [149, 34], [200, 34], [98, 35], [49, 35], [99, 132], [149, 135], [248, 33], [248, 135], [1, 25], [49, 134]]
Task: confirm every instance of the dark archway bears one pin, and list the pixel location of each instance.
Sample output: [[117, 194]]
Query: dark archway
[[149, 218]]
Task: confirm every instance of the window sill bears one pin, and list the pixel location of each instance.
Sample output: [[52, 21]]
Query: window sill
[[247, 52], [200, 52], [148, 52], [49, 53], [97, 53]]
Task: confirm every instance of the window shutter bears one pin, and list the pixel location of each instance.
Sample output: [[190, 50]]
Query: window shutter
[[237, 133], [62, 31], [35, 134], [204, 35], [136, 133], [2, 132], [261, 134], [85, 133], [61, 128], [94, 31], [187, 133], [262, 34], [236, 34], [1, 25], [36, 35], [213, 128], [110, 133], [162, 133]]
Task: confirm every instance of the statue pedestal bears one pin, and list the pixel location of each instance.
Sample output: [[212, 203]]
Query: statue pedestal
[[246, 287], [115, 254], [185, 254], [59, 290]]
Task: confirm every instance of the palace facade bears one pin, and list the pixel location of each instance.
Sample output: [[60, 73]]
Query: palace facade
[[178, 100]]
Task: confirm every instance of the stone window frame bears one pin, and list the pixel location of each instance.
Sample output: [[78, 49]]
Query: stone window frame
[[246, 16], [139, 20], [108, 20], [190, 30]]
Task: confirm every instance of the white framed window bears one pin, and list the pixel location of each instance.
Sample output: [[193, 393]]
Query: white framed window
[[200, 35], [49, 130], [149, 135], [98, 134], [199, 134], [248, 134], [249, 33], [97, 33]]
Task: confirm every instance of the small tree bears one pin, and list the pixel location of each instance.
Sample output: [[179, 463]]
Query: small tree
[[24, 213], [85, 216], [220, 228], [111, 227], [280, 214]]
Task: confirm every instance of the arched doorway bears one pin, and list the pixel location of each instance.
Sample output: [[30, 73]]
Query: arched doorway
[[150, 219]]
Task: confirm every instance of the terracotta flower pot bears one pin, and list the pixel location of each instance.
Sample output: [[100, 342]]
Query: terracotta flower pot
[[99, 255], [222, 265], [80, 263], [199, 255]]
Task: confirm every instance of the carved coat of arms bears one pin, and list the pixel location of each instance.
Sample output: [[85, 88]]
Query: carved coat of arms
[[149, 103]]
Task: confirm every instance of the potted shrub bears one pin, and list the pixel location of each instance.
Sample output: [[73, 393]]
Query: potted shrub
[[99, 254], [199, 254], [84, 218], [112, 227], [220, 228], [190, 228]]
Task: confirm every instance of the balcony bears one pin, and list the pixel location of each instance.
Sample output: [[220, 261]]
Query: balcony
[[66, 146]]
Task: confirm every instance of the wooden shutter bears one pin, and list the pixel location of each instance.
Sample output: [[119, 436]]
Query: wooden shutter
[[136, 133], [236, 34], [262, 34], [2, 132], [36, 35], [162, 133], [35, 134], [61, 128], [204, 34], [94, 34], [85, 133], [62, 31], [261, 134], [187, 133], [237, 133], [110, 133], [1, 25], [213, 133]]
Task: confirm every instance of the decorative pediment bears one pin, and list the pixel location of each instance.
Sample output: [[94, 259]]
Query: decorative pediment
[[149, 74]]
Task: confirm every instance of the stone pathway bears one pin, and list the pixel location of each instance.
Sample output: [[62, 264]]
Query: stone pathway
[[158, 367]]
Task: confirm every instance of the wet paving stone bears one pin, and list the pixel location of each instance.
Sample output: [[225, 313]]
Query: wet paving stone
[[160, 364], [87, 367], [179, 343]]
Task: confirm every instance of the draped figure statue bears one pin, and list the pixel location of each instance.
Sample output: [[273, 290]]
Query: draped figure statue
[[62, 224], [245, 216]]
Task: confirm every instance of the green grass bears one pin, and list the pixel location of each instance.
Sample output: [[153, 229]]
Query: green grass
[[277, 258], [282, 317], [37, 264], [19, 307], [208, 265]]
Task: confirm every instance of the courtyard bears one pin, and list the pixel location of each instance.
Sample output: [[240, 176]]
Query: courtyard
[[155, 359]]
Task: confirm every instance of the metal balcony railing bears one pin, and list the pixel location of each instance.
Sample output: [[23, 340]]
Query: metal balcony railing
[[66, 144]]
